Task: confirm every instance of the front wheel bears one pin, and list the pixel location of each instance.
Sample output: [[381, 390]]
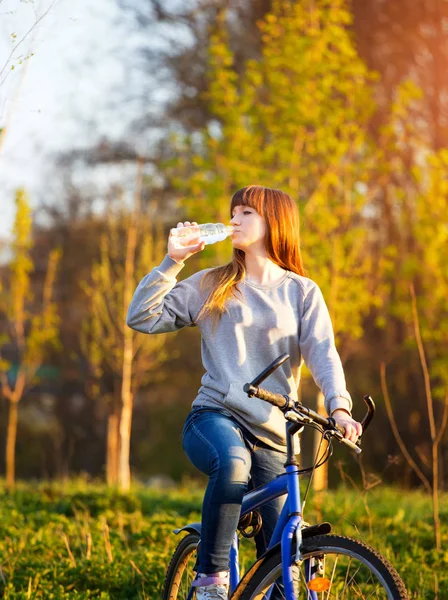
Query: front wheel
[[348, 569], [180, 573]]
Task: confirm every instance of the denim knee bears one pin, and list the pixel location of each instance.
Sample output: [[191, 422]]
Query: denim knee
[[233, 466], [215, 445], [230, 475]]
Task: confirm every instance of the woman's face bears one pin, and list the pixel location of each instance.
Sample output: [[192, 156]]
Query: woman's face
[[249, 229]]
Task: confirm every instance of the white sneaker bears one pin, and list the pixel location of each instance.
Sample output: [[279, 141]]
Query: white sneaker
[[216, 586]]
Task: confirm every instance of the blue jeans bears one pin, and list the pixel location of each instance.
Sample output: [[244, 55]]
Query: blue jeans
[[235, 461]]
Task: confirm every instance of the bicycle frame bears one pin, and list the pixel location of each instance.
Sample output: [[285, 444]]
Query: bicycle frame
[[289, 524]]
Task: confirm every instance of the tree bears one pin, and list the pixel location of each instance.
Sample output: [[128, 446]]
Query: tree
[[297, 119], [180, 58], [30, 328], [418, 296], [400, 41], [112, 346]]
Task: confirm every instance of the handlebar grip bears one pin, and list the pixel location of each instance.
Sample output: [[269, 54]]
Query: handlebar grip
[[278, 400], [342, 439], [351, 445]]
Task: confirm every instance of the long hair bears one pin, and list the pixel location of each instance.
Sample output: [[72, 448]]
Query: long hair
[[282, 241]]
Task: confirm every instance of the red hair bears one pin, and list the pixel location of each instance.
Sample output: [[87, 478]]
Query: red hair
[[282, 220]]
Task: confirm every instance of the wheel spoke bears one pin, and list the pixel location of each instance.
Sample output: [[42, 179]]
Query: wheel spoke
[[332, 576], [349, 568], [355, 571], [303, 578]]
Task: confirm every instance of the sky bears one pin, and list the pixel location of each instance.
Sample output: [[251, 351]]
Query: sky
[[67, 94]]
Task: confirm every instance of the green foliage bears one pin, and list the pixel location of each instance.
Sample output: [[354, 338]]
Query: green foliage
[[431, 235], [46, 532], [297, 119], [417, 199], [373, 209], [33, 328], [105, 329], [44, 326], [21, 265]]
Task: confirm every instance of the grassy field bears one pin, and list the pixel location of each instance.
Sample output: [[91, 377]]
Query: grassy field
[[83, 541]]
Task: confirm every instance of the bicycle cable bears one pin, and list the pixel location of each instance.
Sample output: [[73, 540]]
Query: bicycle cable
[[318, 462], [325, 457]]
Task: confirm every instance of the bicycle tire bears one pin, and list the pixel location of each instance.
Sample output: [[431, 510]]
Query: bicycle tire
[[355, 571], [180, 574]]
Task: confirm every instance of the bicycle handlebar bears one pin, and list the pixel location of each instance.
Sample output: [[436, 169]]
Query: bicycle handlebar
[[282, 402], [285, 404], [270, 369]]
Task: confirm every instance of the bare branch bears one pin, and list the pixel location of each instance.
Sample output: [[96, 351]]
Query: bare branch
[[396, 433], [32, 28], [423, 362], [425, 459], [444, 421], [6, 388]]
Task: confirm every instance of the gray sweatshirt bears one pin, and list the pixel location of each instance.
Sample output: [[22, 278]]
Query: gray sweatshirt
[[267, 321]]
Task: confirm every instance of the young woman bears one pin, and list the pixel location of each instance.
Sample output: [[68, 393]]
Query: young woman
[[249, 311]]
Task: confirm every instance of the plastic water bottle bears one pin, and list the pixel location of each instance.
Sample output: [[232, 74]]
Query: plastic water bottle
[[193, 234]]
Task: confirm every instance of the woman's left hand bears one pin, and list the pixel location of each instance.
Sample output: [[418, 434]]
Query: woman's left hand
[[353, 429]]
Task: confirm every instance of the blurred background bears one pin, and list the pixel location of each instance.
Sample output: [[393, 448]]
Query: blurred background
[[121, 117]]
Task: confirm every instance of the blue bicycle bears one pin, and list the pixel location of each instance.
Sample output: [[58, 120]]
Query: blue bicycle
[[302, 562]]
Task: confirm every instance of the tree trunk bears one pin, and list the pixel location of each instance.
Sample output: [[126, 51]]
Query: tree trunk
[[113, 442], [320, 478], [128, 345], [126, 415], [11, 437], [435, 494]]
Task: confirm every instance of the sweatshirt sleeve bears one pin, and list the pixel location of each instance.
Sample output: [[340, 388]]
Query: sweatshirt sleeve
[[319, 352], [161, 304]]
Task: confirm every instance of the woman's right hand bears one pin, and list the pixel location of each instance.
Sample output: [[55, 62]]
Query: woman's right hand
[[181, 253]]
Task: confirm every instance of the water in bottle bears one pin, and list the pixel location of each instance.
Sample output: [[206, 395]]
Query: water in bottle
[[193, 234]]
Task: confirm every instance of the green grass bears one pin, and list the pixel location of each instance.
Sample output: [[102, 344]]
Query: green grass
[[81, 540]]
